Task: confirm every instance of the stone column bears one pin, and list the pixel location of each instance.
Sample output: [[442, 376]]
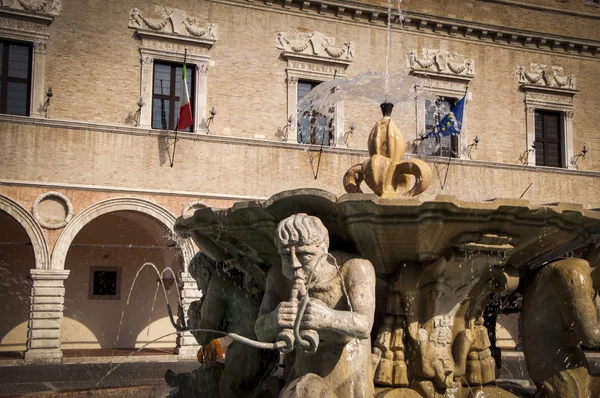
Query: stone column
[[186, 342], [45, 316]]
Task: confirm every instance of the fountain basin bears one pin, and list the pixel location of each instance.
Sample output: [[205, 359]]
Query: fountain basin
[[437, 262], [392, 232]]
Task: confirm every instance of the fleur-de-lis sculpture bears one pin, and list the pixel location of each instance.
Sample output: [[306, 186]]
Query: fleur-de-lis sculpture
[[385, 172]]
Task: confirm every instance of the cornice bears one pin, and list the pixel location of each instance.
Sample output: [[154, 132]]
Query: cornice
[[145, 34], [425, 24], [544, 8]]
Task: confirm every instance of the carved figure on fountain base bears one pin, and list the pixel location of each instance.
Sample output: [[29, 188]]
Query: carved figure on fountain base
[[332, 341], [435, 312], [558, 316], [231, 307]]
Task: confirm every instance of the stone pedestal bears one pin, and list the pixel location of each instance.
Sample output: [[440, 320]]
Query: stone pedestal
[[45, 316], [186, 343]]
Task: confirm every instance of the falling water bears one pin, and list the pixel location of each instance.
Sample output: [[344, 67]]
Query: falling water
[[175, 282], [388, 45], [131, 290]]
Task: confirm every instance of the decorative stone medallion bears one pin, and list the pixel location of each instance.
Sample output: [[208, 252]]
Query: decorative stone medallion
[[52, 210]]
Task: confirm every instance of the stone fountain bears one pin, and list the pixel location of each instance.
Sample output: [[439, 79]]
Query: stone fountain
[[383, 294]]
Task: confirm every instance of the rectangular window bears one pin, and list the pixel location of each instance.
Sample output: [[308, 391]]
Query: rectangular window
[[548, 139], [15, 77], [165, 94], [104, 283], [313, 127], [434, 113]]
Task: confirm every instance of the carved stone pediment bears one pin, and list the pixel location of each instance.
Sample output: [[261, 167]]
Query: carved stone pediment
[[314, 44], [42, 8], [172, 23], [545, 75], [442, 63]]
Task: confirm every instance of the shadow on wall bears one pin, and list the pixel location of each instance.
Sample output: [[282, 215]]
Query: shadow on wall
[[125, 242], [16, 261]]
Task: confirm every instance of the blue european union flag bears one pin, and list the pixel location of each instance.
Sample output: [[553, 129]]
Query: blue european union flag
[[451, 124]]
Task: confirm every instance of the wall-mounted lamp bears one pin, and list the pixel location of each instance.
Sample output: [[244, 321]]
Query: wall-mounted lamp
[[349, 133], [285, 132], [47, 103], [213, 112], [473, 145], [580, 155], [524, 158], [138, 113]]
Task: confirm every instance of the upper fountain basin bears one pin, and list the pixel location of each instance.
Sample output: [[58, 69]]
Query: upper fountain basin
[[393, 232]]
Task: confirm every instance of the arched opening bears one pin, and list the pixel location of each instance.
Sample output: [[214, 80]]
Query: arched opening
[[17, 258], [103, 260]]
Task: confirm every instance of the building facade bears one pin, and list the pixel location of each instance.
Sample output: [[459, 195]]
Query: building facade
[[92, 177]]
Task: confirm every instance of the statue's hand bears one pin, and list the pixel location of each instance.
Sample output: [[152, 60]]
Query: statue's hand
[[285, 314], [317, 315]]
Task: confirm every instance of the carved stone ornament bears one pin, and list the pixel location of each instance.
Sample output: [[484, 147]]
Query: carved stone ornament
[[52, 210], [385, 172], [314, 43], [545, 75], [172, 20], [444, 62], [549, 98], [47, 7]]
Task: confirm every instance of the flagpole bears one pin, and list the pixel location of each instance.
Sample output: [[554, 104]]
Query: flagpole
[[179, 116]]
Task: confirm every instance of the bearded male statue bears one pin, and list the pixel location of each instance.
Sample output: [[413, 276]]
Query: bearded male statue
[[339, 307]]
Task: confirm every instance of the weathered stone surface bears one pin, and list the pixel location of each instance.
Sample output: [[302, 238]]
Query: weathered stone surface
[[323, 311], [558, 316]]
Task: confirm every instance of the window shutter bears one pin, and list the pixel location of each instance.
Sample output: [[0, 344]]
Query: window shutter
[[548, 139]]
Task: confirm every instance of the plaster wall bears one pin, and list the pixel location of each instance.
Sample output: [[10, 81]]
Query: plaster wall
[[208, 167], [93, 323], [93, 66]]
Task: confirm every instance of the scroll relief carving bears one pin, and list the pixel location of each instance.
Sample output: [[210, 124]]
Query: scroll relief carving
[[441, 61], [314, 43], [545, 75], [49, 7], [172, 21]]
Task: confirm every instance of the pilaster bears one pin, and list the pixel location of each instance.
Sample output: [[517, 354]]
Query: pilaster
[[45, 316], [186, 342]]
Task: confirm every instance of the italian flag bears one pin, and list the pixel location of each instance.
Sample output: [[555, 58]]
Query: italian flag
[[185, 108]]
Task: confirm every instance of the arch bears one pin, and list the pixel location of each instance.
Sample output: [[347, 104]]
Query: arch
[[32, 228], [151, 209]]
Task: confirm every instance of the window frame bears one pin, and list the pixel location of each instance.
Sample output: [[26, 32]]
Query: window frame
[[552, 99], [313, 118], [153, 48], [5, 78], [303, 67], [447, 87], [545, 140], [173, 111], [454, 140], [91, 295], [34, 30]]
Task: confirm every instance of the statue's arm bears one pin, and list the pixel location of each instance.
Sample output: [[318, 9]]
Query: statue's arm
[[578, 304], [212, 312], [359, 279], [266, 327]]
